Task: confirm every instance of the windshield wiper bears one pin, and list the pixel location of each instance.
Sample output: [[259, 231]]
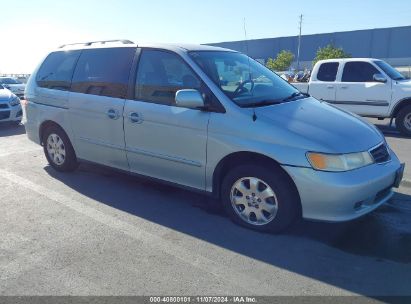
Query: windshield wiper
[[294, 96], [261, 103]]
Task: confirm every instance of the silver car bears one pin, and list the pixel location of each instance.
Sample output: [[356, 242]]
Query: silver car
[[210, 120], [10, 108]]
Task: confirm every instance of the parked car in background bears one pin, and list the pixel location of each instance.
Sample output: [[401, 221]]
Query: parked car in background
[[14, 85], [10, 108], [212, 120], [365, 86]]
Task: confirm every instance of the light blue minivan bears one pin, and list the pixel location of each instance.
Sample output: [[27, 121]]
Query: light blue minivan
[[211, 120]]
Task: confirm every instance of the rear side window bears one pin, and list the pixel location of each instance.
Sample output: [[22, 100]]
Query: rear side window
[[160, 75], [328, 71], [103, 72], [358, 72], [57, 70]]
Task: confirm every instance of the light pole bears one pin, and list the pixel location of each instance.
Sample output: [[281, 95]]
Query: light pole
[[299, 42]]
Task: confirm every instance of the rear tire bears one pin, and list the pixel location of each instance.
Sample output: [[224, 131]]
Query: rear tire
[[259, 198], [403, 121], [58, 150]]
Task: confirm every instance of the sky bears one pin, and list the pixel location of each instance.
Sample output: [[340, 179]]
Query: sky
[[31, 28]]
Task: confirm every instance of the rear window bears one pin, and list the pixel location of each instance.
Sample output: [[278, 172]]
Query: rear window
[[327, 71], [103, 72], [57, 70]]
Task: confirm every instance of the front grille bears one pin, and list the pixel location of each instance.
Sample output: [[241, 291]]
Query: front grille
[[3, 106], [4, 115], [380, 154]]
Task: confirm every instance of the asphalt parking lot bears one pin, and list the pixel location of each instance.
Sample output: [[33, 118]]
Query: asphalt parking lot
[[99, 232]]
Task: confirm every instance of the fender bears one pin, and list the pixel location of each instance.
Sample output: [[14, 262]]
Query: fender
[[399, 105]]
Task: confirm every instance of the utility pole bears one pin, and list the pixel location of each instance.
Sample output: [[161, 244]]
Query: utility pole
[[299, 42]]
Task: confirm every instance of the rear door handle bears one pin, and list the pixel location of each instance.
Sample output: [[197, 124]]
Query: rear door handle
[[113, 114], [135, 117], [344, 87]]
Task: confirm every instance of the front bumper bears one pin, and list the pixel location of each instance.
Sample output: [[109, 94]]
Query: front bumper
[[10, 113], [344, 196]]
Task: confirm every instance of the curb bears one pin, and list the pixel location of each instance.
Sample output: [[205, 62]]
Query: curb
[[406, 183]]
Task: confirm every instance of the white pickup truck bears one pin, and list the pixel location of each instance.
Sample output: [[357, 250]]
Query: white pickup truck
[[365, 86]]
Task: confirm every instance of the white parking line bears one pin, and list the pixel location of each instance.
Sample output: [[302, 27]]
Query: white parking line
[[20, 152], [249, 284]]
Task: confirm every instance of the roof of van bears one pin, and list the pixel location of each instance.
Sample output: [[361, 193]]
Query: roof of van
[[126, 43]]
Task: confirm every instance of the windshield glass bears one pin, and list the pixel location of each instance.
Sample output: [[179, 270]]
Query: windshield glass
[[245, 81], [389, 70], [9, 81]]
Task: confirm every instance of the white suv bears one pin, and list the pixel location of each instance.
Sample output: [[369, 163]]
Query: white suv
[[365, 86]]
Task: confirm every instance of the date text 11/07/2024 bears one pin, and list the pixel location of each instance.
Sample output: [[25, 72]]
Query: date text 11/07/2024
[[203, 299]]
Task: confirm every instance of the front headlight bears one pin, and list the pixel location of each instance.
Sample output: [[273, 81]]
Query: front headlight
[[15, 101], [339, 162]]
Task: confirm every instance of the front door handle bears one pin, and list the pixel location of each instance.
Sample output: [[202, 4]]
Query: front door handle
[[135, 117], [330, 86], [113, 114]]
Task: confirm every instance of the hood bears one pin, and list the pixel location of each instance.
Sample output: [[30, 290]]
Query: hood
[[332, 129], [404, 84], [5, 95]]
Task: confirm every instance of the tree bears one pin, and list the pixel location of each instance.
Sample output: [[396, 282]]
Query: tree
[[282, 62], [330, 52]]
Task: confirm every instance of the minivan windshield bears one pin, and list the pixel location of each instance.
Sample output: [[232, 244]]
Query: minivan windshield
[[245, 81], [389, 70]]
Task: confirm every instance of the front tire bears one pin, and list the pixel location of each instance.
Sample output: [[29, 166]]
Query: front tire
[[403, 121], [263, 199], [58, 150]]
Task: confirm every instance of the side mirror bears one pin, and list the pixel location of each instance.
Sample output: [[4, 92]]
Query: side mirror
[[189, 98], [380, 78]]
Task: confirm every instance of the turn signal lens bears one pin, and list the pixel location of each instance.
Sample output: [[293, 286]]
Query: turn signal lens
[[339, 162], [318, 161]]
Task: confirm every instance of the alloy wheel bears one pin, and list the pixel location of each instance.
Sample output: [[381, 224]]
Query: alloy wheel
[[56, 149], [254, 201]]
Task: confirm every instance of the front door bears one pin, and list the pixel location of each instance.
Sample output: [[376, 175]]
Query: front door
[[162, 140], [358, 92]]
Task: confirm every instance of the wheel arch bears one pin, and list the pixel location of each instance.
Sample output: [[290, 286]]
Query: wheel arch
[[47, 124], [400, 105], [238, 158]]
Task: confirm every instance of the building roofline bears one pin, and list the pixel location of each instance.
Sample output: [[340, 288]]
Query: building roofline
[[309, 35]]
